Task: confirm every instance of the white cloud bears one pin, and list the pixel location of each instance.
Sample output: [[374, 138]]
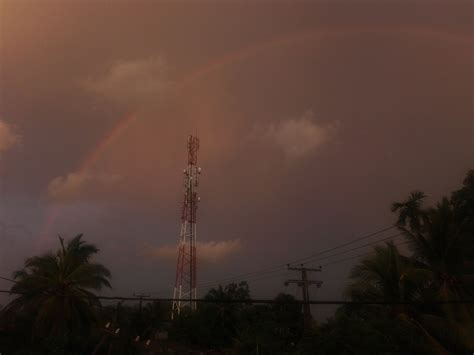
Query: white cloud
[[301, 136], [206, 251], [133, 81], [77, 185], [8, 138]]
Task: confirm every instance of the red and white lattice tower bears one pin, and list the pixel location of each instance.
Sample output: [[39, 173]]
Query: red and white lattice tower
[[185, 284]]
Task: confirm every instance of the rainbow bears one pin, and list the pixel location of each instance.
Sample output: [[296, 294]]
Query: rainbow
[[233, 58], [117, 131]]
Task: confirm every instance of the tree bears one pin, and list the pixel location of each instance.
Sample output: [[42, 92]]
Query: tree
[[409, 211], [463, 199], [227, 314], [57, 290], [386, 275], [272, 329], [363, 331], [233, 291], [441, 239], [213, 324], [440, 268]]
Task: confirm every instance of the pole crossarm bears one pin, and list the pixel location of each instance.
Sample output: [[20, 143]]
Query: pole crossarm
[[304, 268]]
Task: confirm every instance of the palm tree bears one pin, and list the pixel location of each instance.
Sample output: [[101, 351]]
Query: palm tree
[[410, 210], [386, 275], [57, 289], [442, 246], [383, 275], [440, 243], [463, 199]]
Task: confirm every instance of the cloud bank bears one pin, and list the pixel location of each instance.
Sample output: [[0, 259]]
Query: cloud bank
[[210, 252], [78, 185]]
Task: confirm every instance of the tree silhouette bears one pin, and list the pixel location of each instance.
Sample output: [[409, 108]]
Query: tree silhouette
[[57, 289]]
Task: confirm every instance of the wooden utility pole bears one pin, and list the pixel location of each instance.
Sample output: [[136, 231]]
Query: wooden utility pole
[[304, 283]]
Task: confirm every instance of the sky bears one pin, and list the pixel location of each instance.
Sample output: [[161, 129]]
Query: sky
[[313, 116]]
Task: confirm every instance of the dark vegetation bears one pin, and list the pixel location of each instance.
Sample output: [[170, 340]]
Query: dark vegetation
[[55, 310]]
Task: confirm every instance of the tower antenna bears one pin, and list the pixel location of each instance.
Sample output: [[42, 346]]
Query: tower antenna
[[185, 284]]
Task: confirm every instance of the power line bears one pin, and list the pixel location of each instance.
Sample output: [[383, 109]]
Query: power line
[[283, 266], [308, 259], [269, 274], [280, 274], [256, 275], [7, 279], [356, 256], [276, 271], [273, 301], [343, 245], [359, 247], [277, 268]]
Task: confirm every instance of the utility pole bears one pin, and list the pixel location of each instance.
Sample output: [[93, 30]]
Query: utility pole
[[141, 296], [304, 283]]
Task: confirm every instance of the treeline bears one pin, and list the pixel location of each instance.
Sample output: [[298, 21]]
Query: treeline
[[55, 310]]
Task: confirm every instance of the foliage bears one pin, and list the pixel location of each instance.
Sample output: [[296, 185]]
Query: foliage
[[363, 331], [385, 275], [272, 328], [221, 318], [55, 299], [440, 268]]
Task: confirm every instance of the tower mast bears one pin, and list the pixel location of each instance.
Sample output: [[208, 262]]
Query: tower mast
[[185, 284]]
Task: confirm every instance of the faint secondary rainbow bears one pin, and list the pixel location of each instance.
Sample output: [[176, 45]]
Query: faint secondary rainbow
[[241, 54], [303, 37]]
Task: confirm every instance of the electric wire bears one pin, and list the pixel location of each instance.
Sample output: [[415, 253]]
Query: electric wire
[[329, 263], [268, 301], [356, 256], [276, 271], [307, 259]]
